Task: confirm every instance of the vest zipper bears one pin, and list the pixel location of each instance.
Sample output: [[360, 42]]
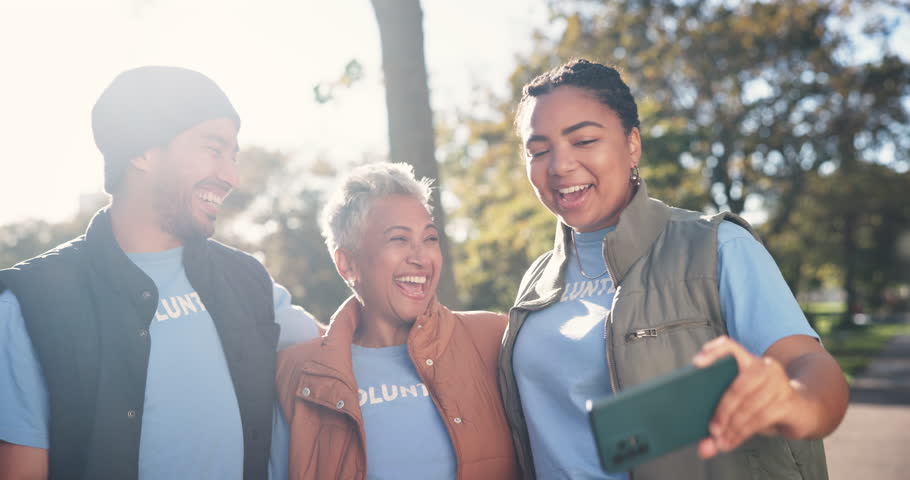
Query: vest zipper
[[608, 321], [608, 328], [653, 332]]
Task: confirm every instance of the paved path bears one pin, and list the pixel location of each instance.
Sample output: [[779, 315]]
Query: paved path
[[873, 442]]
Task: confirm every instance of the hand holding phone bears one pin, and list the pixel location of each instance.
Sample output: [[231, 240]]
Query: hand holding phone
[[658, 416]]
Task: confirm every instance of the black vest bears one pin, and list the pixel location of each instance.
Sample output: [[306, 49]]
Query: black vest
[[87, 309]]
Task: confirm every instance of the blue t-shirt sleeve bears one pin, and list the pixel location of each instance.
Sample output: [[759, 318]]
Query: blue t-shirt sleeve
[[23, 395], [297, 325], [278, 461], [755, 301]]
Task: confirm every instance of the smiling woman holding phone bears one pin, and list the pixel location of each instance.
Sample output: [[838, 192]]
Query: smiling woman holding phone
[[633, 289]]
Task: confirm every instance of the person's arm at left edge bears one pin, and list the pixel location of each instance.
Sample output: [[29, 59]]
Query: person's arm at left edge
[[788, 383], [24, 415]]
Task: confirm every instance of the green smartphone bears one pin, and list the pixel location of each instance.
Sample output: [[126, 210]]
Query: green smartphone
[[658, 416]]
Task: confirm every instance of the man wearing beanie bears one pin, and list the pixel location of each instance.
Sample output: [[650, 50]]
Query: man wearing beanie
[[144, 349]]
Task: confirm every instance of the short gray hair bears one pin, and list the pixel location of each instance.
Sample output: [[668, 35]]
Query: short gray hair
[[344, 215]]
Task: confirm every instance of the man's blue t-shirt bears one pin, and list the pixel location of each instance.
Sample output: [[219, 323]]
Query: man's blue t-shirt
[[405, 435], [191, 420], [560, 355]]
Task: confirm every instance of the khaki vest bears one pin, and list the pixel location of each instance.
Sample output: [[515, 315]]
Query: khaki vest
[[663, 262]]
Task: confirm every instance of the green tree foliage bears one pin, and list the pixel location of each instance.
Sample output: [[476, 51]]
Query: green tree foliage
[[812, 245], [739, 101], [23, 240], [498, 224], [274, 214]]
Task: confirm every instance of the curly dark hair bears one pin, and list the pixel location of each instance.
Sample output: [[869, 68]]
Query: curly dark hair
[[603, 81]]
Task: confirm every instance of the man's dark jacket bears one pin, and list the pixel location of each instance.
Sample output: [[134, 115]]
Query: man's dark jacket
[[87, 309]]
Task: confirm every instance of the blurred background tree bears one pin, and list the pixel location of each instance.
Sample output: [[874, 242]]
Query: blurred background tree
[[22, 240], [412, 137], [274, 214], [744, 107]]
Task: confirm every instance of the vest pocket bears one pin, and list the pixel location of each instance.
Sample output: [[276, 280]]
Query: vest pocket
[[649, 351], [643, 333]]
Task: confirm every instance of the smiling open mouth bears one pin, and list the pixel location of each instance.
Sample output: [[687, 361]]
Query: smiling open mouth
[[412, 285], [569, 195], [210, 197], [211, 203]]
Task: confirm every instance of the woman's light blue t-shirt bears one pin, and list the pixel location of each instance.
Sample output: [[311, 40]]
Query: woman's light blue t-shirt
[[560, 353], [405, 435]]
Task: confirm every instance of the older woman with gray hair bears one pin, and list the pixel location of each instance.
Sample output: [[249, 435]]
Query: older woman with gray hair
[[399, 386]]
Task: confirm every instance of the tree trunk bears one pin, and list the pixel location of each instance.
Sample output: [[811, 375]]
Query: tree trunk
[[411, 134], [849, 247], [849, 157]]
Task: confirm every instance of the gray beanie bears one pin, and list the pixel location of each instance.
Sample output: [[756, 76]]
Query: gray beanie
[[147, 107]]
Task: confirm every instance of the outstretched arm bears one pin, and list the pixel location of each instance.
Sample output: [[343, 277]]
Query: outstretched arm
[[796, 389]]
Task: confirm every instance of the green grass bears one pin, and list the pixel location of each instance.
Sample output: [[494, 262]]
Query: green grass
[[822, 308], [854, 348]]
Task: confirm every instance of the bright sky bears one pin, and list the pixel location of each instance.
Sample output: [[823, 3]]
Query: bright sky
[[266, 54]]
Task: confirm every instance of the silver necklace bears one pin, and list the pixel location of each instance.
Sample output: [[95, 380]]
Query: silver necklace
[[578, 259]]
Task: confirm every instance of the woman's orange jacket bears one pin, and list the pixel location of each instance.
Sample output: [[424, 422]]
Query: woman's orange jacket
[[455, 354]]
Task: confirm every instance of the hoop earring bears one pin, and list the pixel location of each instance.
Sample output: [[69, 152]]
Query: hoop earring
[[635, 176]]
